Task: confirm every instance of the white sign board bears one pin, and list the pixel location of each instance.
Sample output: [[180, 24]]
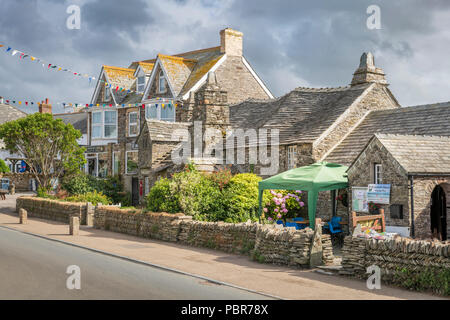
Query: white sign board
[[379, 193], [359, 199]]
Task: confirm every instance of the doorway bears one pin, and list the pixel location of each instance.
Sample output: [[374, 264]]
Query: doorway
[[438, 212], [134, 191]]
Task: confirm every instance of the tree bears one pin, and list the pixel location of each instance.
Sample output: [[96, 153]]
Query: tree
[[3, 167], [49, 146]]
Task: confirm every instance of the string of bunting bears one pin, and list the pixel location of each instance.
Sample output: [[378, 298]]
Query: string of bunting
[[161, 101], [22, 55]]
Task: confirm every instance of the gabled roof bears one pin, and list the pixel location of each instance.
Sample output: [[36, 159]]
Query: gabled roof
[[177, 69], [433, 119], [10, 113], [418, 153], [119, 77], [79, 120], [302, 115], [184, 71]]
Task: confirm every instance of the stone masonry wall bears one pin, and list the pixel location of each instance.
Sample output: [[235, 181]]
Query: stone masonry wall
[[52, 209], [20, 180], [390, 255], [361, 174], [264, 243]]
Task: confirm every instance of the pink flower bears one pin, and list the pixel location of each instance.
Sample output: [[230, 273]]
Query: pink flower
[[279, 195], [265, 210], [283, 205], [276, 209], [269, 218], [301, 203], [298, 191], [273, 192], [284, 210], [279, 216]]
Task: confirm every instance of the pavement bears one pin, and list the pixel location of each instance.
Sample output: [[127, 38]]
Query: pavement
[[229, 270]]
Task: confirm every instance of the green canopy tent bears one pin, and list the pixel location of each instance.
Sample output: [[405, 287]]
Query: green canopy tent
[[320, 176]]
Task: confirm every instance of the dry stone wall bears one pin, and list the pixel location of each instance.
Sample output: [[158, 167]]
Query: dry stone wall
[[52, 209], [264, 243], [391, 255]]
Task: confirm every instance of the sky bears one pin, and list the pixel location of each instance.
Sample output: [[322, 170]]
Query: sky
[[288, 43]]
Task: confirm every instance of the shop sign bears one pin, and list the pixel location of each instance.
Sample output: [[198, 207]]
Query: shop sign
[[379, 193], [359, 199]]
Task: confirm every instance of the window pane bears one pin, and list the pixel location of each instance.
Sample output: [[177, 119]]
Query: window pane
[[168, 113], [110, 117], [110, 131], [141, 80], [102, 168], [151, 112], [133, 130], [96, 117], [133, 117], [97, 132]]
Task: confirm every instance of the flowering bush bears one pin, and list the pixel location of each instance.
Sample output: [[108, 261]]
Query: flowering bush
[[284, 204]]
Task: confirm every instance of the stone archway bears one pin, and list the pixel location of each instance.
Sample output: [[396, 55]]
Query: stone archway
[[438, 212]]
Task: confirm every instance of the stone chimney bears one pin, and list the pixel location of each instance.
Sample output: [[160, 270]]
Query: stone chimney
[[367, 72], [231, 42], [45, 107]]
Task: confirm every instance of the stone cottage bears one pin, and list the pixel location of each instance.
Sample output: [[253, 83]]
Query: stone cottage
[[418, 169], [159, 90]]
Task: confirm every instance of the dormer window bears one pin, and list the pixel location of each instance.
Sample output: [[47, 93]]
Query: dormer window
[[162, 82], [140, 84]]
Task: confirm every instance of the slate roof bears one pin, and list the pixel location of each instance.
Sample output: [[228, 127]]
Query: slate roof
[[302, 115], [163, 130], [79, 120], [9, 113], [417, 153], [119, 77], [433, 119], [178, 70]]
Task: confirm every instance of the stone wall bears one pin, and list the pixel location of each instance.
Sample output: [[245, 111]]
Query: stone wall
[[390, 255], [161, 226], [264, 243], [360, 174], [52, 209]]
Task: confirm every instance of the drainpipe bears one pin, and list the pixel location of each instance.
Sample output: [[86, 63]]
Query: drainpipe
[[411, 181]]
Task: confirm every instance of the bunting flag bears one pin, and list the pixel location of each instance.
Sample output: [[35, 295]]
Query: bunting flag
[[29, 103], [22, 56]]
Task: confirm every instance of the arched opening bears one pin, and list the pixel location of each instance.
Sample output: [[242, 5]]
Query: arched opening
[[438, 214]]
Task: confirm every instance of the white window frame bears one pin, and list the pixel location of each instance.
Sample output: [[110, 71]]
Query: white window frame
[[291, 157], [134, 124], [142, 85], [377, 173], [126, 162], [103, 125], [97, 124], [161, 77]]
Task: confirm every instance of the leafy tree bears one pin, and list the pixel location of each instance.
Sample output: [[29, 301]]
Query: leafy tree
[[3, 167], [49, 145]]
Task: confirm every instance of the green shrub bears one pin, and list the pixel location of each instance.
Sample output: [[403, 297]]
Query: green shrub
[[198, 196], [241, 198], [3, 167], [160, 198], [79, 184], [93, 197], [432, 279]]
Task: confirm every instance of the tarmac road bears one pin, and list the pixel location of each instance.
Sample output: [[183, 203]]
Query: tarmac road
[[35, 268]]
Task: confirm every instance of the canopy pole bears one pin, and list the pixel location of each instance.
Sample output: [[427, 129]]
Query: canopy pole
[[260, 204], [312, 204]]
